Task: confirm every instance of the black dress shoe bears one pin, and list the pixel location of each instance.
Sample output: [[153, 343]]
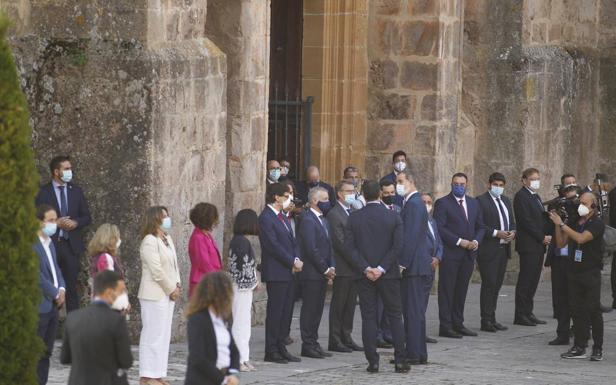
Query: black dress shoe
[[465, 331], [373, 368], [488, 328], [290, 357], [384, 345], [500, 327], [288, 341], [559, 341], [605, 309], [276, 358], [311, 353], [430, 340], [353, 346], [449, 333], [536, 320], [403, 368], [322, 352], [524, 321], [340, 348]]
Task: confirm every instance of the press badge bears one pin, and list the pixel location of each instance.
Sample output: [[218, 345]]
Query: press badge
[[578, 256]]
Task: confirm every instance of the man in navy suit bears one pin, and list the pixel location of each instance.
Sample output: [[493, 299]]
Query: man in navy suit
[[417, 264], [399, 163], [316, 251], [374, 240], [69, 201], [313, 179], [458, 217], [279, 261], [52, 286], [495, 250]]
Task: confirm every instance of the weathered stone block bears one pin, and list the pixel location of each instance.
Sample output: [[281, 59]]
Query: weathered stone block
[[419, 76], [383, 74], [420, 38], [423, 7], [428, 107], [389, 106], [387, 7], [388, 36]]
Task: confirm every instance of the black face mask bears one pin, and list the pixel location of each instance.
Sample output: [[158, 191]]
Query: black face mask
[[389, 200], [313, 184]]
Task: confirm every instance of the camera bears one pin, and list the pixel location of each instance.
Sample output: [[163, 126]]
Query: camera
[[566, 208]]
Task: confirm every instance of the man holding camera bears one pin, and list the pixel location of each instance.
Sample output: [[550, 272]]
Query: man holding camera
[[584, 275]]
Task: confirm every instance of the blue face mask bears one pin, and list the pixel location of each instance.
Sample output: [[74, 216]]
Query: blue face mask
[[67, 176], [50, 229], [458, 191], [166, 225], [324, 206], [496, 191], [349, 199], [400, 189], [274, 175]]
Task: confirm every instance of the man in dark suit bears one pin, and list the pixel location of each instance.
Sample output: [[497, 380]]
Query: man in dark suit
[[313, 179], [69, 201], [495, 249], [344, 292], [52, 286], [399, 163], [532, 238], [279, 261], [459, 221], [96, 342], [612, 200], [316, 251], [417, 263], [373, 238]]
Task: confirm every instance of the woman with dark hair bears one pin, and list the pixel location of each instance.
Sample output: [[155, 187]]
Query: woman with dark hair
[[242, 267], [212, 355], [202, 249]]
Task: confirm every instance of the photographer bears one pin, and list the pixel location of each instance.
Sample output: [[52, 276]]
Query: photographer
[[584, 275]]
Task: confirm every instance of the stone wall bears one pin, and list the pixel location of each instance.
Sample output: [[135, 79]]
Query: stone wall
[[136, 95]]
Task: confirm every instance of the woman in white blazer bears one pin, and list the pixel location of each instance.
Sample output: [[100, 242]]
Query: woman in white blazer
[[158, 291]]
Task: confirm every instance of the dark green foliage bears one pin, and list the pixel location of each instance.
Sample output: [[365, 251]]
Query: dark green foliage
[[20, 347]]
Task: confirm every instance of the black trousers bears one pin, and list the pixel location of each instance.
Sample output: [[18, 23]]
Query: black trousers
[[389, 290], [560, 295], [585, 302], [415, 297], [528, 280], [342, 310], [492, 270], [383, 332], [313, 301], [278, 314], [70, 265], [47, 325], [454, 277]]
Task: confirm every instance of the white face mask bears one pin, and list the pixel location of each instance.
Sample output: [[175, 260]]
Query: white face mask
[[400, 189], [535, 184], [118, 243], [121, 302], [429, 208], [286, 203], [400, 166], [497, 191], [583, 210]]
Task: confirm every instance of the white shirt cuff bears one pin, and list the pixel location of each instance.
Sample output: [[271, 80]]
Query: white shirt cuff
[[381, 269], [459, 240], [494, 233]]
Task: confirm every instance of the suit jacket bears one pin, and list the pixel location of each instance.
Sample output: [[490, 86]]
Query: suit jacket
[[50, 292], [453, 225], [96, 345], [303, 187], [77, 210], [491, 222], [204, 257], [203, 351], [373, 238], [279, 247], [394, 207], [338, 218], [398, 200], [435, 244], [315, 247], [415, 256], [159, 268], [532, 224], [612, 199]]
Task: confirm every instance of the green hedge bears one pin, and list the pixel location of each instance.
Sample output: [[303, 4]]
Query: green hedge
[[20, 347]]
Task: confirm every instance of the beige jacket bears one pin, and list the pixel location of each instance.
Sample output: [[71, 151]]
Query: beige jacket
[[159, 268]]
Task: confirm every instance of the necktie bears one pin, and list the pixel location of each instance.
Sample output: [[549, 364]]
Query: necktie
[[63, 209], [324, 224], [461, 202], [539, 201], [348, 211], [502, 211]]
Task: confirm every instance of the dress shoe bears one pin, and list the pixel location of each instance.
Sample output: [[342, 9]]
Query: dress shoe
[[353, 346], [500, 327], [290, 357], [402, 368], [605, 309], [384, 345], [410, 361], [524, 321], [322, 352], [276, 358], [340, 348], [373, 368], [311, 353], [465, 331], [488, 328], [559, 341], [449, 333], [288, 341], [430, 340], [536, 320]]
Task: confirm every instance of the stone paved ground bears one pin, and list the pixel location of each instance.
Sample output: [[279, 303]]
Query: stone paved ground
[[518, 356]]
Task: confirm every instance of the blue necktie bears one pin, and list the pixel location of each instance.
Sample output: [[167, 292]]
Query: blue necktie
[[324, 224], [63, 209], [502, 211]]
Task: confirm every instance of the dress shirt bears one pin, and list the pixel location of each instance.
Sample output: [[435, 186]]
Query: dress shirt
[[223, 341], [431, 229], [500, 217], [465, 211], [46, 243], [320, 215], [345, 208]]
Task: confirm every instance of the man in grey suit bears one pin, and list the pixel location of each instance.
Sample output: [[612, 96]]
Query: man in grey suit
[[344, 295], [96, 341]]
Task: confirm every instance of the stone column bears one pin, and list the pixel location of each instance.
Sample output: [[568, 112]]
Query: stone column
[[136, 94]]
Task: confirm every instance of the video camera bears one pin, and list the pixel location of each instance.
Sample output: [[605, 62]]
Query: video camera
[[566, 208]]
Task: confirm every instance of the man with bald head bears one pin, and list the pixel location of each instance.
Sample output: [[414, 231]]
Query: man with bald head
[[313, 179], [273, 171], [584, 238]]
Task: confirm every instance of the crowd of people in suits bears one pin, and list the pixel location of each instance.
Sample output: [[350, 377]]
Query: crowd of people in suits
[[378, 243]]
